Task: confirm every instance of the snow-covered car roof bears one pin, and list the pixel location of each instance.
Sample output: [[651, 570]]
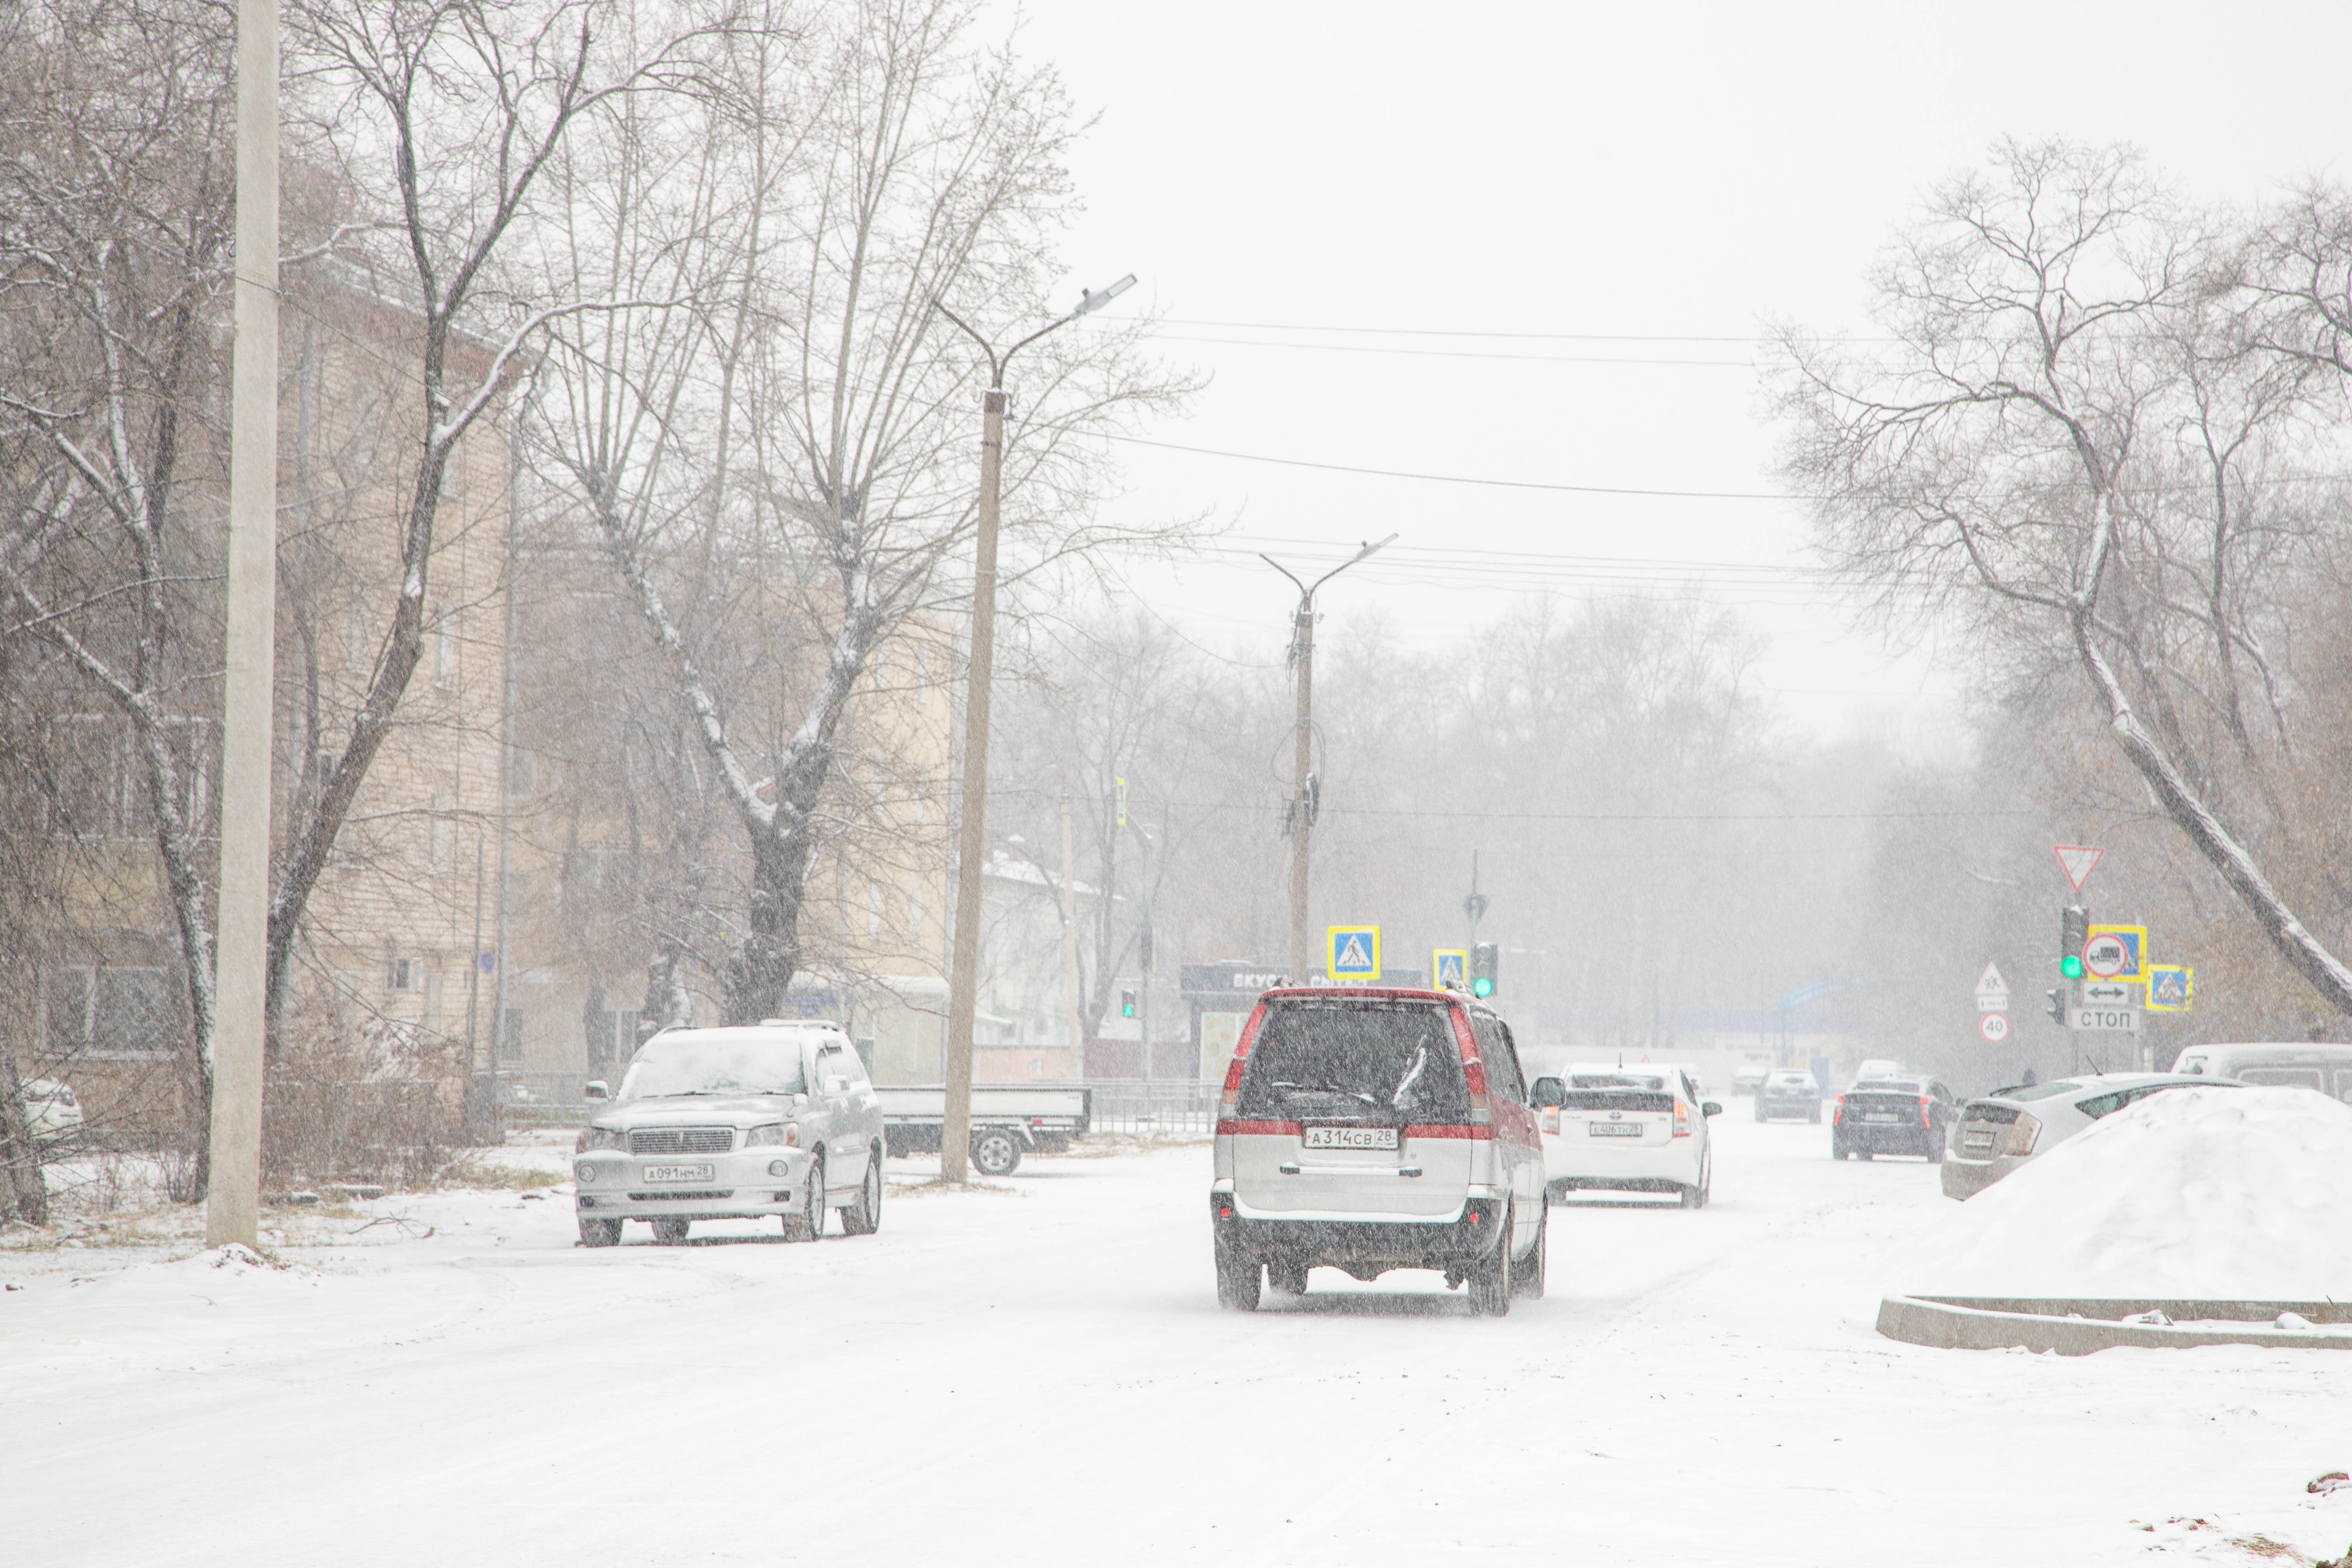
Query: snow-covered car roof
[[2094, 1083]]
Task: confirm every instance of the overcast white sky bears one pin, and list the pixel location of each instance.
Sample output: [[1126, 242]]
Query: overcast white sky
[[1620, 176]]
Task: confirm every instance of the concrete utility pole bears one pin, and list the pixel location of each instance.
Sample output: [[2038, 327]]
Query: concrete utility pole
[[1304, 792], [971, 842], [241, 971], [1070, 945]]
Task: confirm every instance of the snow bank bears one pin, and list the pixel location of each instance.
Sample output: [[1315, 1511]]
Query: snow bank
[[2227, 1195]]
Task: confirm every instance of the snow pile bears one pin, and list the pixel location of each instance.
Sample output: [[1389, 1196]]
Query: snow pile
[[2212, 1194]]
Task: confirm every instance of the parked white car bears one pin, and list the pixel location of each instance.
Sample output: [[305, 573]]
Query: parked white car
[[2000, 1131], [1627, 1128], [776, 1118], [51, 1112], [1377, 1128]]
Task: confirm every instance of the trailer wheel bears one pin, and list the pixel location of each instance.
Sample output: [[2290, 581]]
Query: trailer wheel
[[995, 1152]]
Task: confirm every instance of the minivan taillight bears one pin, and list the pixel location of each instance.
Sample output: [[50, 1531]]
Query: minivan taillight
[[1232, 1096], [1926, 1120], [1837, 1113], [1682, 1119]]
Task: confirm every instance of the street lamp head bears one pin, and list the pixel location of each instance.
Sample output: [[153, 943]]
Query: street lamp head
[[1096, 298]]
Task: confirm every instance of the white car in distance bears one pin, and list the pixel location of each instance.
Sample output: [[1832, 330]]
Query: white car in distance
[[1639, 1129], [771, 1118]]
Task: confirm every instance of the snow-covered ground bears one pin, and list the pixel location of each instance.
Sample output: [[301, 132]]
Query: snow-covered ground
[[1040, 1372]]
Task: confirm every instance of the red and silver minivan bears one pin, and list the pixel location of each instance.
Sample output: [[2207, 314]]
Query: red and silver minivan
[[1370, 1128]]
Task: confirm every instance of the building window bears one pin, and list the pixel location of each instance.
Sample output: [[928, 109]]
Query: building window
[[873, 908], [915, 917], [509, 1041], [108, 1011], [444, 652], [97, 787], [404, 974], [437, 829]]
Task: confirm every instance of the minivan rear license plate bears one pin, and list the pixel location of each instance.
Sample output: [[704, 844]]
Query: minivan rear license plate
[[1882, 1116], [1351, 1138], [677, 1173], [1613, 1129]]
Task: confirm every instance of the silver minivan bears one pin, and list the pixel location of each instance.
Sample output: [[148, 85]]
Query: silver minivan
[[1371, 1128], [2274, 1064], [770, 1119]]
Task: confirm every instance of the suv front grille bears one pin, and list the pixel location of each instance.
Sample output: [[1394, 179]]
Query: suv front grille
[[682, 1141]]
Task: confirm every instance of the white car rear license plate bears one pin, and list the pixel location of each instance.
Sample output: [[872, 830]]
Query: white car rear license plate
[[1613, 1129], [1978, 1142], [677, 1173], [1351, 1138], [1882, 1115]]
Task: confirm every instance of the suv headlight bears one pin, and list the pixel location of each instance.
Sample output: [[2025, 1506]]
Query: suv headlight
[[773, 1135], [604, 1138]]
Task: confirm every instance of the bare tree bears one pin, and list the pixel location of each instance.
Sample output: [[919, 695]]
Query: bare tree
[[782, 464], [2074, 443]]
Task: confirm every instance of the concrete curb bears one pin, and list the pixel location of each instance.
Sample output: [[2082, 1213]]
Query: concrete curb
[[2082, 1327]]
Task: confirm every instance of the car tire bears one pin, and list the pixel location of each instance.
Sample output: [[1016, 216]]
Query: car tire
[[864, 1217], [1238, 1283], [1490, 1277], [599, 1233], [1838, 1151], [1934, 1152], [1759, 1111], [1695, 1197], [808, 1223], [1861, 1153], [995, 1152], [670, 1232], [1814, 1116], [1287, 1278], [1529, 1280]]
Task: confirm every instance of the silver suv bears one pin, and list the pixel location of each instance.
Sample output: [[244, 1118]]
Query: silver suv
[[1375, 1127], [777, 1118]]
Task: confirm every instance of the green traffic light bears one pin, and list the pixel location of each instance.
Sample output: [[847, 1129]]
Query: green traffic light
[[1482, 986], [2070, 966]]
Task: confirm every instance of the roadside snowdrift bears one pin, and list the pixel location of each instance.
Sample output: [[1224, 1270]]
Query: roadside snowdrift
[[2234, 1195]]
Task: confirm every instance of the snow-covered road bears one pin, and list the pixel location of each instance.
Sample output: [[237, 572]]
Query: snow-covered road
[[1041, 1373]]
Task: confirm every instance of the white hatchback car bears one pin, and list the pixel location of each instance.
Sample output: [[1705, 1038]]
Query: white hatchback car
[[1627, 1128], [1371, 1127], [2000, 1131], [773, 1119]]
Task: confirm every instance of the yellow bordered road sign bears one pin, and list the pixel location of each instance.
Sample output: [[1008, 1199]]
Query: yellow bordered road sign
[[2133, 940], [2171, 987], [1449, 968], [1354, 953]]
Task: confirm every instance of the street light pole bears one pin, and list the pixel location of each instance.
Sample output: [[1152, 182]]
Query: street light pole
[[963, 965], [232, 1196], [1304, 791]]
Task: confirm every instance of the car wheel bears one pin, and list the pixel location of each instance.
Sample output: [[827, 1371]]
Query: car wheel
[[1530, 1281], [1695, 1197], [599, 1233], [1760, 1113], [1814, 1116], [809, 1223], [864, 1217], [995, 1152], [1934, 1151], [1290, 1277], [1490, 1277], [1861, 1153], [1837, 1150], [670, 1232], [1238, 1280]]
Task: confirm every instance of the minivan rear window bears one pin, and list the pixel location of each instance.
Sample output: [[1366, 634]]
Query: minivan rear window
[[1355, 1061]]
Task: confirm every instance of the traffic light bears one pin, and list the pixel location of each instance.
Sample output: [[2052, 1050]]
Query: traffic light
[[2074, 931], [1127, 1004], [1482, 969], [2057, 995]]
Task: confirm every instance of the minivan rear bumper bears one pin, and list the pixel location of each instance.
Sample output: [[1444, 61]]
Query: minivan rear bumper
[[1431, 1244]]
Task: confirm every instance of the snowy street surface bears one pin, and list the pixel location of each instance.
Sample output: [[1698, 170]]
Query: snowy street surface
[[1040, 1372]]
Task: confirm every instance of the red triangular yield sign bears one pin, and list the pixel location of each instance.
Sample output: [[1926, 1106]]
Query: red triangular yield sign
[[2076, 860]]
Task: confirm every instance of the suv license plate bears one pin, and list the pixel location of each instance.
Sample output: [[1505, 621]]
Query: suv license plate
[[1613, 1129], [1882, 1115], [1351, 1138], [677, 1173]]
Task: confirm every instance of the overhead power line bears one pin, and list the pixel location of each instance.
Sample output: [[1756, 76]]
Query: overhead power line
[[1464, 478]]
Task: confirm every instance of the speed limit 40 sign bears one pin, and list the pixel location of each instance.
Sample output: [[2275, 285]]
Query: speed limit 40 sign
[[1993, 1027]]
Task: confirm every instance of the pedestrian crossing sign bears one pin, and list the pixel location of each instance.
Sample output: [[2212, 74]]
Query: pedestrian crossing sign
[[1449, 969], [1355, 952], [2171, 987]]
